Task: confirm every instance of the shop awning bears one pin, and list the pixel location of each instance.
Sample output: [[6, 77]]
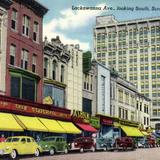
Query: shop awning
[[145, 133], [52, 125], [8, 123], [132, 131], [31, 123], [86, 127], [69, 127]]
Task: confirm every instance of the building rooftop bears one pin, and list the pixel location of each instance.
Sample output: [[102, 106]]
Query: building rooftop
[[34, 5], [114, 21]]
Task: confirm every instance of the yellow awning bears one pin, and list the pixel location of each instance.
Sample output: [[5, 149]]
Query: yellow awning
[[145, 133], [8, 123], [69, 127], [31, 123], [132, 131], [52, 125]]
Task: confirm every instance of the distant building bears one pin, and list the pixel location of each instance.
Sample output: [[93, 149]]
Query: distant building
[[74, 78], [127, 103], [24, 55], [56, 59], [133, 49], [4, 6], [113, 96], [96, 89]]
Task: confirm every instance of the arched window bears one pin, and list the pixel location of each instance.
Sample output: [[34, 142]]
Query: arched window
[[62, 73], [45, 67], [54, 69]]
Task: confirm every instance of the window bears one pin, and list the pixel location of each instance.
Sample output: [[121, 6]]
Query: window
[[103, 93], [28, 89], [54, 68], [36, 32], [62, 73], [14, 20], [25, 30], [15, 87], [24, 59], [23, 140], [57, 94], [23, 87], [45, 67], [34, 63], [12, 54], [28, 140]]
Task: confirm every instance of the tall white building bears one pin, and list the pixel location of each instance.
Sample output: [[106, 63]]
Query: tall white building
[[4, 5], [74, 78], [133, 49]]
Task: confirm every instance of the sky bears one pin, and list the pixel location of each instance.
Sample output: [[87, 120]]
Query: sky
[[76, 26]]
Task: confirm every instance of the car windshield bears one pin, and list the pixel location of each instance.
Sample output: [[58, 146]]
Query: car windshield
[[12, 140]]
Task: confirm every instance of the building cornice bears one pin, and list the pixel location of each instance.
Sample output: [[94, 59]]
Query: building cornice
[[5, 3], [51, 81], [35, 6]]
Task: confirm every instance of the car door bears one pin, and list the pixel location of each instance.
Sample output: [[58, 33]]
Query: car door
[[22, 146], [58, 142], [30, 146]]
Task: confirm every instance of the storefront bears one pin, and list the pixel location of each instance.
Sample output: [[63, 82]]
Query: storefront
[[128, 128], [85, 122], [19, 117], [107, 127]]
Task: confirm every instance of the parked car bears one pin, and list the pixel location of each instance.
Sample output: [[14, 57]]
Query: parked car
[[54, 144], [142, 143], [124, 143], [151, 141], [82, 144], [104, 144], [19, 145]]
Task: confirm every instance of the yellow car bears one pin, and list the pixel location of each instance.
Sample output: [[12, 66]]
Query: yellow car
[[19, 145]]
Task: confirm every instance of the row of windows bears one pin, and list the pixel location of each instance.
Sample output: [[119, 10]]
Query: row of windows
[[26, 25], [24, 58], [142, 107], [123, 113], [88, 82], [54, 68]]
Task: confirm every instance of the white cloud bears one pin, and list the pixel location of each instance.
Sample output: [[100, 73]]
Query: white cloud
[[68, 20]]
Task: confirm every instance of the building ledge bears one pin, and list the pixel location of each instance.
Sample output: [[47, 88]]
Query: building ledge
[[24, 72], [51, 81]]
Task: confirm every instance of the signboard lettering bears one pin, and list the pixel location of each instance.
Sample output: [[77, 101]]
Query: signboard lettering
[[29, 109]]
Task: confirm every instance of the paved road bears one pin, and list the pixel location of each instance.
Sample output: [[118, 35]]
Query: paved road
[[139, 154]]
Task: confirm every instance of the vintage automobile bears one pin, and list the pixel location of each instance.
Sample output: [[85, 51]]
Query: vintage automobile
[[104, 144], [19, 145], [54, 144], [82, 144], [124, 143]]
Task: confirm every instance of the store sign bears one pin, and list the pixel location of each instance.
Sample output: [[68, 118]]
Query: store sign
[[106, 121], [95, 122], [32, 110], [79, 116], [48, 100], [128, 123]]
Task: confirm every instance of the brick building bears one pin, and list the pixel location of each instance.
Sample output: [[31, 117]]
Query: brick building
[[24, 58]]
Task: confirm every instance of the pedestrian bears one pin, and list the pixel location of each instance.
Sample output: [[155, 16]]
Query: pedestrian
[[2, 138]]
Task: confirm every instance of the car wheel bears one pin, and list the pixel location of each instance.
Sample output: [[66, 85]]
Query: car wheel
[[66, 150], [52, 151], [13, 154], [81, 150], [93, 149], [37, 152]]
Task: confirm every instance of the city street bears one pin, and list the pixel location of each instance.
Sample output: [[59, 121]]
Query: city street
[[139, 154]]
